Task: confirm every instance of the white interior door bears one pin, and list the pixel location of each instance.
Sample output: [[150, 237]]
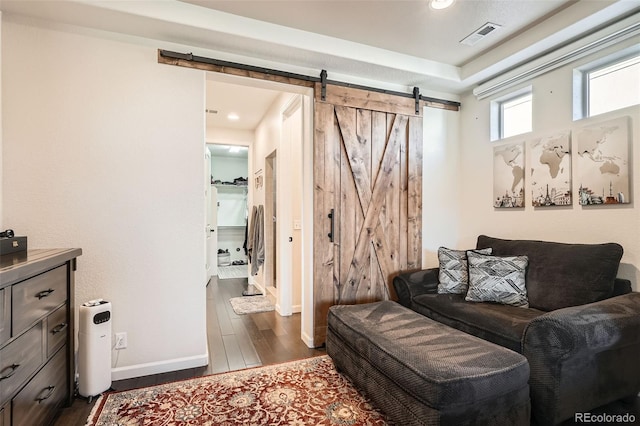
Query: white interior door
[[213, 231], [208, 215]]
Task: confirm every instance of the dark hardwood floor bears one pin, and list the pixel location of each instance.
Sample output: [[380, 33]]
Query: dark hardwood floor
[[235, 342]]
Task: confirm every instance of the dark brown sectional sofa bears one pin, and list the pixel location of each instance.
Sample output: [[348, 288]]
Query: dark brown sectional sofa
[[580, 333]]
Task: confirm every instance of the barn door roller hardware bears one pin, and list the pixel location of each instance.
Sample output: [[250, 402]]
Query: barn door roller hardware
[[416, 96], [323, 83], [189, 57]]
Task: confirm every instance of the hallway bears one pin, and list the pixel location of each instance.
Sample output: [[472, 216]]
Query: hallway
[[248, 339]]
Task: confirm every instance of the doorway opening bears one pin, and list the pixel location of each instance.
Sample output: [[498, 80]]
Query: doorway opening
[[271, 223], [277, 149], [228, 211]]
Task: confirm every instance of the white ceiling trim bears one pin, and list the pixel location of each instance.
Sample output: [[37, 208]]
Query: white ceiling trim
[[552, 35], [616, 33], [208, 32]]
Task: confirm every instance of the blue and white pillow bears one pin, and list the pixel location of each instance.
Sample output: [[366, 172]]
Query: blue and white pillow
[[453, 275], [499, 279]]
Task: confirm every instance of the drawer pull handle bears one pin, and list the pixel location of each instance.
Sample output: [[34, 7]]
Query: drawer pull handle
[[50, 390], [58, 328], [13, 368], [44, 293]]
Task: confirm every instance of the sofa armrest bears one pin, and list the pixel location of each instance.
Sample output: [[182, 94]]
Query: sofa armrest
[[621, 286], [583, 357], [411, 284]]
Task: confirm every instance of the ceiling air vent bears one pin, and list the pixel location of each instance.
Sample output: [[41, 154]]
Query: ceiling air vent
[[480, 33]]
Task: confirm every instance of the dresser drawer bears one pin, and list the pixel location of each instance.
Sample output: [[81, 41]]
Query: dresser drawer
[[56, 329], [5, 415], [38, 402], [36, 297], [19, 360], [5, 315]]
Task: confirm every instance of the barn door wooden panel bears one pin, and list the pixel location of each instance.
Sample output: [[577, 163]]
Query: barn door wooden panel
[[367, 201]]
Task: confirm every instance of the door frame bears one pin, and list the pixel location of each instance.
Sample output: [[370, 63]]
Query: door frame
[[211, 268], [306, 94], [285, 218], [271, 235], [216, 231]]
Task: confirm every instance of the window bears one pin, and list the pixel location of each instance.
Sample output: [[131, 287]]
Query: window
[[607, 84], [614, 87], [512, 114]]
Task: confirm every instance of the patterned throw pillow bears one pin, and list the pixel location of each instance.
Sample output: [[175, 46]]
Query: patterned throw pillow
[[453, 275], [497, 279]]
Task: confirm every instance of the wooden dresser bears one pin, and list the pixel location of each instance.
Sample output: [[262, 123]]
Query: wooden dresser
[[37, 364]]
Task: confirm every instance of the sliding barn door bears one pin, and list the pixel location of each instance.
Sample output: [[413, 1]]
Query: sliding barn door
[[367, 197]]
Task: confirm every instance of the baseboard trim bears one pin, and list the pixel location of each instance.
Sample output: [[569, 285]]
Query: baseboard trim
[[140, 370], [308, 340]]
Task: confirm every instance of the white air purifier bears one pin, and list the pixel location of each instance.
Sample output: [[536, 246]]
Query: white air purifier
[[94, 348]]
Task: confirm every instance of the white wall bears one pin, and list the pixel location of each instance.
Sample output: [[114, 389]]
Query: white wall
[[267, 139], [552, 111], [270, 135], [441, 182], [103, 151], [293, 134], [223, 136], [1, 136]]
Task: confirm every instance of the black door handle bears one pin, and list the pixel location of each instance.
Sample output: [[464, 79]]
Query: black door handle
[[330, 235]]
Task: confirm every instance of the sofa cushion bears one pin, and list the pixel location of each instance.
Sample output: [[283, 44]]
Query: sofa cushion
[[453, 275], [560, 275], [501, 324], [421, 372], [498, 279]]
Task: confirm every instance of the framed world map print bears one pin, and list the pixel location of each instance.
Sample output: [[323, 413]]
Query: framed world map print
[[508, 176], [603, 163], [550, 158]]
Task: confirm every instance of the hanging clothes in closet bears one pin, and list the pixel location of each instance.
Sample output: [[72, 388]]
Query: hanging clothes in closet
[[256, 239]]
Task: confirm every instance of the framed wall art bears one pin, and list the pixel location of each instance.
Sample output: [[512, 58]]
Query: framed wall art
[[550, 158], [508, 176], [603, 163]]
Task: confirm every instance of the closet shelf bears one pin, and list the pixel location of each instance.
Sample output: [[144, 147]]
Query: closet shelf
[[231, 187]]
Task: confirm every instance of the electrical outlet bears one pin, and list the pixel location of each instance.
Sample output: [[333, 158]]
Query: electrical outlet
[[121, 341]]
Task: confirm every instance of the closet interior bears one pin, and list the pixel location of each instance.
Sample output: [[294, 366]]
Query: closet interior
[[229, 178]]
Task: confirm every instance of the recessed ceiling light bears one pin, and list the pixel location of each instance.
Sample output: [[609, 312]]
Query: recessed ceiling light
[[440, 4], [233, 116]]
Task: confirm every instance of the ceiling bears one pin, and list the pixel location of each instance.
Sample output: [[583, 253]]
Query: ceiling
[[410, 27], [248, 103], [232, 151], [393, 44]]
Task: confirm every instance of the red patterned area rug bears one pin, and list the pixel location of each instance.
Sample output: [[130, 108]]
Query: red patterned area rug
[[305, 392]]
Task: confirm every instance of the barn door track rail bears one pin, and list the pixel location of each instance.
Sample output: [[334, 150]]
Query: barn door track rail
[[193, 61]]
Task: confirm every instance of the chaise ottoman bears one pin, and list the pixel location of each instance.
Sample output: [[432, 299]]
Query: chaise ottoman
[[422, 372]]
